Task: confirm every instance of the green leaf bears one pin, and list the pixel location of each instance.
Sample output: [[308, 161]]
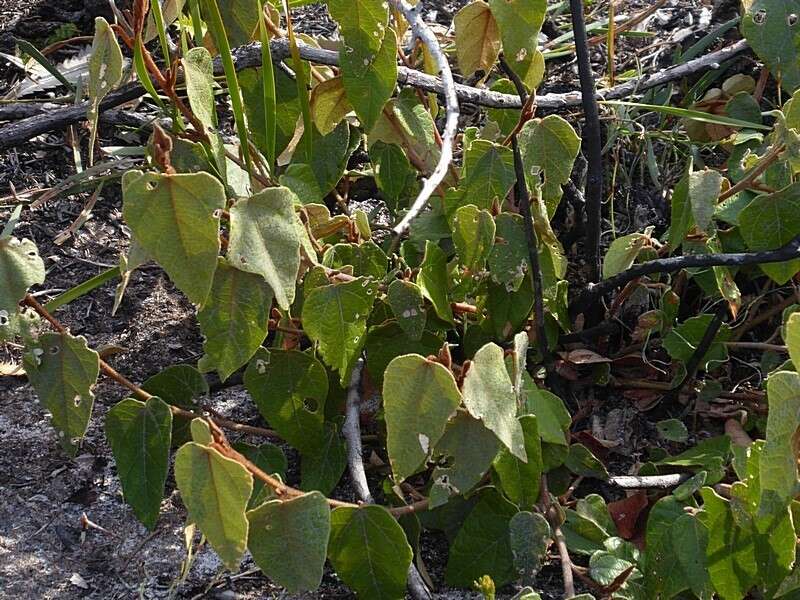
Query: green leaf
[[264, 240], [175, 218], [769, 222], [553, 418], [321, 470], [473, 236], [270, 459], [240, 19], [508, 311], [487, 174], [235, 318], [388, 341], [419, 396], [393, 172], [773, 37], [289, 540], [682, 341], [779, 459], [731, 552], [477, 38], [289, 388], [529, 536], [369, 76], [672, 430], [467, 449], [140, 435], [62, 369], [552, 145], [335, 316], [406, 301], [367, 259], [432, 280], [623, 253], [178, 385], [198, 69], [520, 22], [489, 396], [215, 490], [508, 260], [520, 481], [704, 190], [680, 212], [482, 546], [581, 461], [604, 567], [287, 109], [312, 181], [369, 551], [105, 73], [20, 267]]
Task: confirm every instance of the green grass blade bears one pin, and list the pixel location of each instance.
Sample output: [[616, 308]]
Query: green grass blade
[[158, 18], [302, 86], [685, 113], [197, 22], [268, 81], [144, 76], [82, 289], [34, 53], [217, 28]]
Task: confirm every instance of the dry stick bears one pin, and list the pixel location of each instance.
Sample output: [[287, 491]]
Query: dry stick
[[593, 292], [767, 160], [649, 482], [558, 536], [524, 201], [351, 430], [425, 34], [250, 56], [592, 145]]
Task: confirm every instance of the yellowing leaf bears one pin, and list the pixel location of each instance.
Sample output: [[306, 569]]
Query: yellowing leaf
[[419, 396], [329, 104], [622, 253], [215, 490], [477, 38], [520, 22]]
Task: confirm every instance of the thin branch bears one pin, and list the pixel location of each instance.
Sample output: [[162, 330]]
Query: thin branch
[[355, 463], [649, 482], [592, 144], [41, 119], [425, 34], [593, 292]]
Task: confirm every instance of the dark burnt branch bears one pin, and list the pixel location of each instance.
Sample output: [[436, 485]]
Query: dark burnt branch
[[594, 292], [44, 117], [592, 145]]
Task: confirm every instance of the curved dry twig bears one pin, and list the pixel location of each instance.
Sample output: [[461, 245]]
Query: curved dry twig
[[425, 34]]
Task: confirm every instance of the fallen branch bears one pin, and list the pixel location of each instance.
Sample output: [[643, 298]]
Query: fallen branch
[[42, 119], [594, 292], [649, 482], [592, 145], [424, 34], [355, 464]]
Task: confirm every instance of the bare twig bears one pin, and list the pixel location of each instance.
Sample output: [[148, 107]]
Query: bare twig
[[593, 292], [592, 145], [425, 34], [649, 482]]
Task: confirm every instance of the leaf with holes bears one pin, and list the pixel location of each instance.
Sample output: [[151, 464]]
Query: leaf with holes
[[477, 38], [489, 396], [520, 22], [335, 316], [20, 267], [140, 435], [769, 222], [419, 396], [529, 535], [264, 240], [408, 305], [105, 73], [175, 218], [62, 369], [289, 540], [215, 490], [369, 551], [234, 319], [289, 388], [772, 30]]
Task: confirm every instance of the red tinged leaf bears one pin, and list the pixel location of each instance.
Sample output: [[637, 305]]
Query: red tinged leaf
[[626, 513]]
